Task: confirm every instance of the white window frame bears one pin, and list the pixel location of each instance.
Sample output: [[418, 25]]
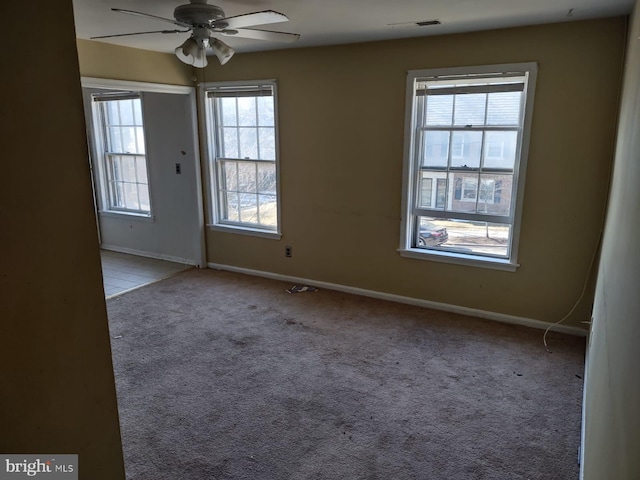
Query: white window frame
[[215, 220], [410, 167], [99, 141]]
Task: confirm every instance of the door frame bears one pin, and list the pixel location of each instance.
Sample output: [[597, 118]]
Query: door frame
[[109, 84]]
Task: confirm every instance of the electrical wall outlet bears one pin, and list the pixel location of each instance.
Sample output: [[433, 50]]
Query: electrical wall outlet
[[178, 169], [287, 250]]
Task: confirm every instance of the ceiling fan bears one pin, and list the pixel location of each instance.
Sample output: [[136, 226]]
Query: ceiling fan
[[203, 21]]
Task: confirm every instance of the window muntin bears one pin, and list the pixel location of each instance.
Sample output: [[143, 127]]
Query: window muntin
[[241, 130], [466, 135], [121, 144]]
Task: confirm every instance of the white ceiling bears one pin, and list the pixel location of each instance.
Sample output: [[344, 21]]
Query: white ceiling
[[331, 22]]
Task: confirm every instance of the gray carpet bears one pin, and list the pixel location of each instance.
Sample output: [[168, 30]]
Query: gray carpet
[[226, 376]]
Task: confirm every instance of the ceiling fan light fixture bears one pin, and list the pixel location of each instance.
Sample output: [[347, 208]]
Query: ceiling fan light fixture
[[200, 58], [188, 51], [193, 52], [221, 50]]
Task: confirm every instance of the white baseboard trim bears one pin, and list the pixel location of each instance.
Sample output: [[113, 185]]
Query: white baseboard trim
[[473, 312], [140, 253]]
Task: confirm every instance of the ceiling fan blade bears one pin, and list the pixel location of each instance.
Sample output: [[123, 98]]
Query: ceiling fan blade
[[250, 19], [262, 35], [140, 14], [139, 33]]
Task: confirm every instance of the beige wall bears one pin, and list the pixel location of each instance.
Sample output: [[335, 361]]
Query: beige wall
[[104, 60], [341, 136], [612, 422], [57, 388]]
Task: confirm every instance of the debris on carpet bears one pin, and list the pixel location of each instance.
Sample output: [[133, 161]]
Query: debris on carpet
[[301, 288]]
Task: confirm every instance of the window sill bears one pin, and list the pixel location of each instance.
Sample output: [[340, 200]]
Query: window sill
[[459, 259], [126, 215], [254, 232]]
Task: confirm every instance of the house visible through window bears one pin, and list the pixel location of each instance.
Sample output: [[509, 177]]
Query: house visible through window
[[441, 192], [242, 137], [120, 145], [466, 130], [426, 190]]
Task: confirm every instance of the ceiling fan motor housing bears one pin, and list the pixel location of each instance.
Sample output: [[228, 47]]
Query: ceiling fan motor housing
[[198, 12]]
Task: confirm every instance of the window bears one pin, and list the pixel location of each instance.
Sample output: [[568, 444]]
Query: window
[[441, 192], [120, 145], [495, 151], [426, 189], [466, 135], [242, 139]]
